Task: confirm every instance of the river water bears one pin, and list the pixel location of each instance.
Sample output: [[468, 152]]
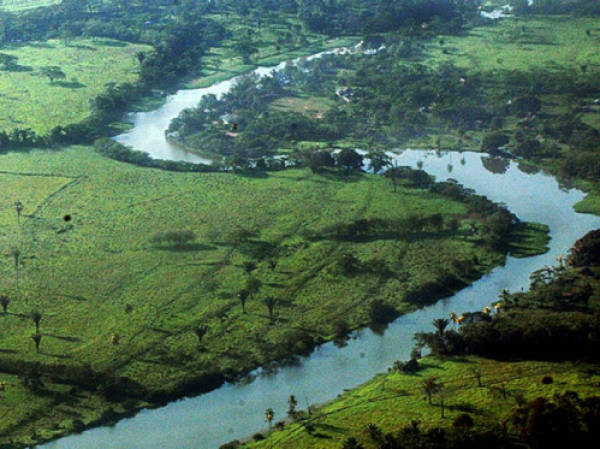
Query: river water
[[236, 411]]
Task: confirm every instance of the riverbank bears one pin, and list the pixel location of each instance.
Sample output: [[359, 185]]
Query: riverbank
[[155, 295], [394, 400]]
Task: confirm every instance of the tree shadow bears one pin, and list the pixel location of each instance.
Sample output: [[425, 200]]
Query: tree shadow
[[17, 68], [187, 247], [82, 47], [63, 338], [40, 45], [69, 84], [110, 43], [8, 351], [57, 356], [465, 408]]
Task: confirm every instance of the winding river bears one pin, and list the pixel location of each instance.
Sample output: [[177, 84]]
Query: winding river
[[235, 411]]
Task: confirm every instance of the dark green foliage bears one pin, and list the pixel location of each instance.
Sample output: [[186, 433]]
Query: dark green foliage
[[351, 443], [566, 420], [586, 251], [381, 313], [463, 421], [493, 141], [4, 302], [115, 150]]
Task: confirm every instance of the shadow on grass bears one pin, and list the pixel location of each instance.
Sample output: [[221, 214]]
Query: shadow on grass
[[17, 68], [109, 43], [57, 356], [63, 338], [40, 45], [465, 408], [69, 84], [186, 247], [8, 351], [82, 47]]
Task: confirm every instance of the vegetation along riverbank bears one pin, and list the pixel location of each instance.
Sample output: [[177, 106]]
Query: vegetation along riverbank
[[126, 282]]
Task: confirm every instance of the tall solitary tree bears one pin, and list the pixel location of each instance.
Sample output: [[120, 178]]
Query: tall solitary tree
[[37, 339], [270, 304], [36, 316], [292, 403], [53, 73], [4, 302], [243, 296], [200, 332], [440, 325], [430, 387], [16, 254], [19, 208], [269, 416]]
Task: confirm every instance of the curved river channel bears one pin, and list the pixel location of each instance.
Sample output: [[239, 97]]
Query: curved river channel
[[235, 411]]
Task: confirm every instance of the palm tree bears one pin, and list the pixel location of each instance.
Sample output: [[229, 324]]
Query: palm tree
[[4, 301], [37, 339], [351, 443], [440, 324], [477, 373], [36, 316], [16, 253], [243, 296], [269, 416], [249, 267], [292, 402], [430, 387], [19, 208], [270, 304], [200, 332]]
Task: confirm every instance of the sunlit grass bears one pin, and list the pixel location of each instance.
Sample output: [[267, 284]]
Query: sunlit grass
[[29, 100], [392, 401]]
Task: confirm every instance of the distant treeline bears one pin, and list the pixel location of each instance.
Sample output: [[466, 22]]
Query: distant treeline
[[114, 150]]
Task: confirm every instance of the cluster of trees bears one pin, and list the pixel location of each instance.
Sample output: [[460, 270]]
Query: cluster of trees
[[114, 150], [557, 319], [565, 420]]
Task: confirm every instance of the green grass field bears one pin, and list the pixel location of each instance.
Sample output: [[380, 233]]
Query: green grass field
[[521, 44], [303, 104], [393, 400], [99, 275], [29, 100]]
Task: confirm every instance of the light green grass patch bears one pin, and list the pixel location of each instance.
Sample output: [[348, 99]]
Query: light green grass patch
[[29, 100], [308, 105], [521, 44]]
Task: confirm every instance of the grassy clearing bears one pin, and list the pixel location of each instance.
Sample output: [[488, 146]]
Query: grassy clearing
[[521, 44], [393, 400], [29, 100], [98, 275], [309, 105]]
